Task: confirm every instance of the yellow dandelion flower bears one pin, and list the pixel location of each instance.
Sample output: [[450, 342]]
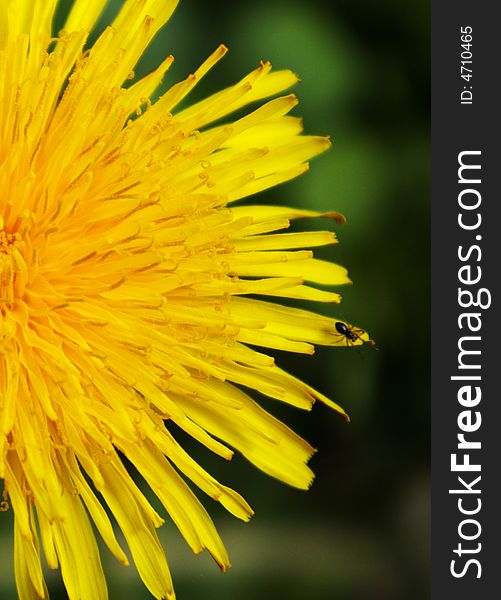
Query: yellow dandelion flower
[[124, 271]]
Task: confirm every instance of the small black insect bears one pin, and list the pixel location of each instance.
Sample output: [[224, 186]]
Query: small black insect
[[352, 334]]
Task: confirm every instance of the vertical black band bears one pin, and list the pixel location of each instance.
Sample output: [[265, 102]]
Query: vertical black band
[[465, 331]]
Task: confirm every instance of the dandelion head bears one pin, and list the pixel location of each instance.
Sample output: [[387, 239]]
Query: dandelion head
[[136, 292]]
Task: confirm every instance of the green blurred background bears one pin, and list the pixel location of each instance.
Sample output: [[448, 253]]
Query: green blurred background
[[362, 531]]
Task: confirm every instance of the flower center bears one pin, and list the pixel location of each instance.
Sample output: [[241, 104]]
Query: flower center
[[12, 268]]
